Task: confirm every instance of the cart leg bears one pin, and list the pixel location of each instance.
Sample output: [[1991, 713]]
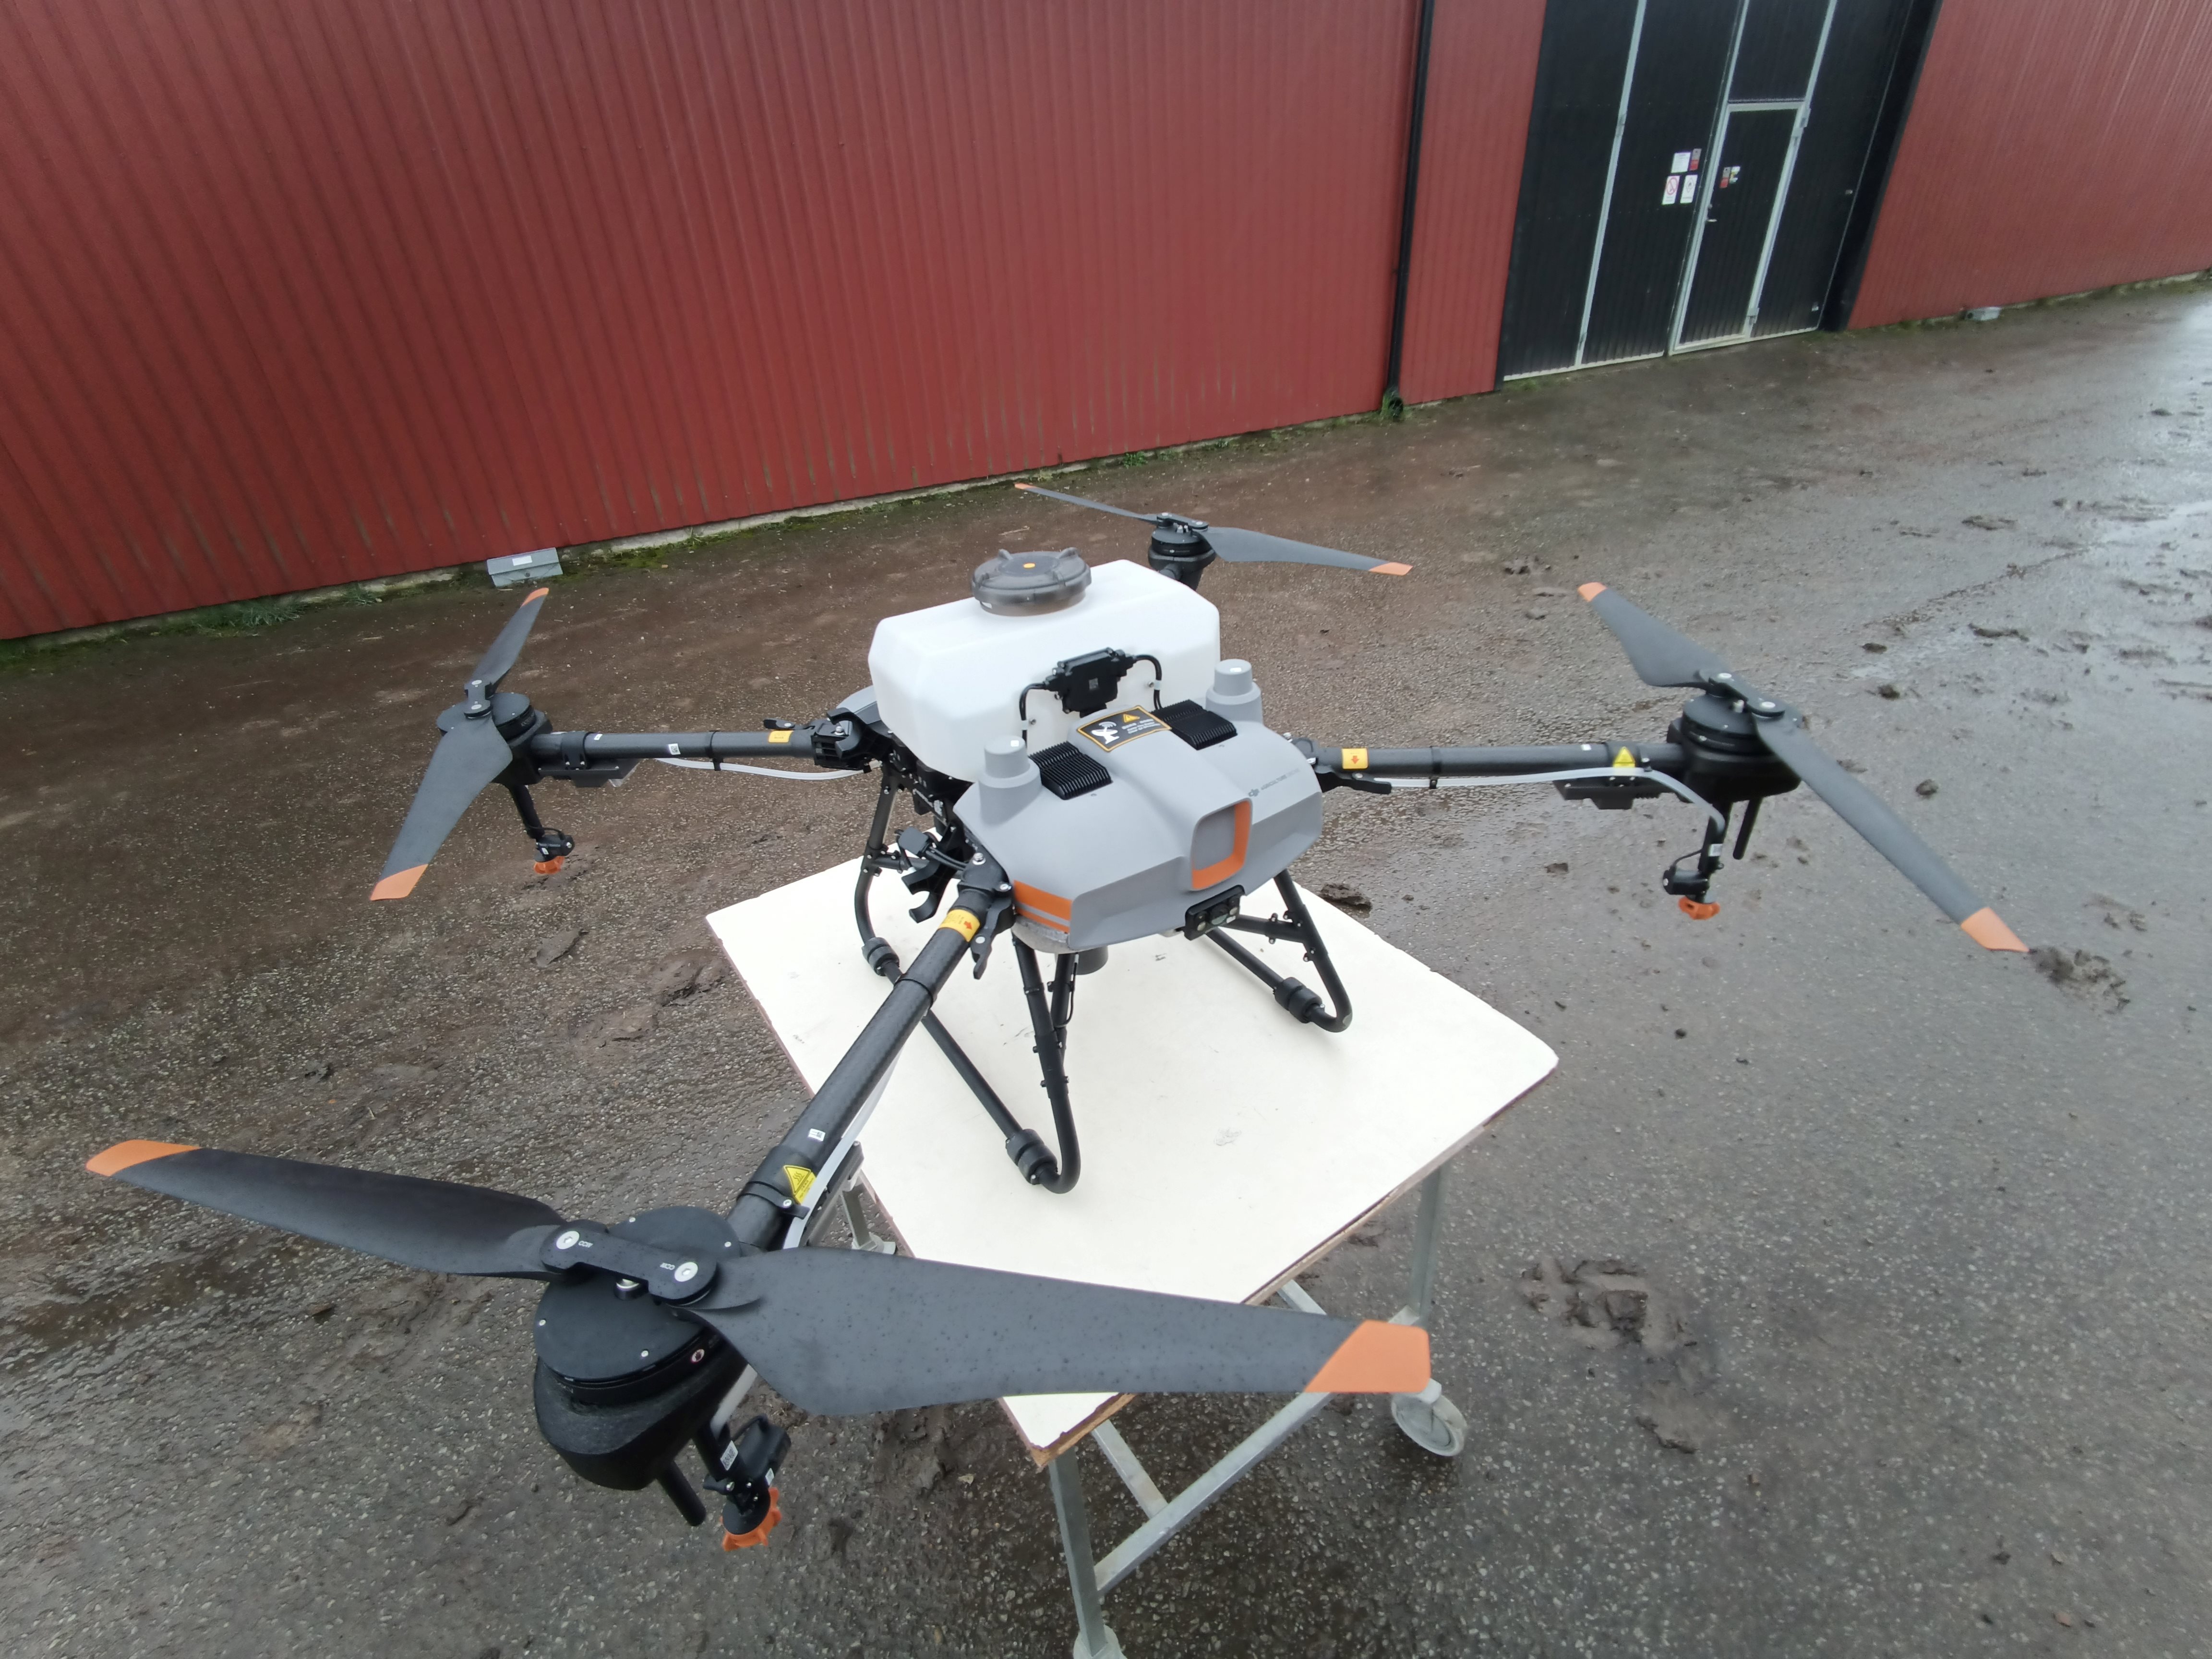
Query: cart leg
[[1093, 1639], [1427, 1418], [857, 1218]]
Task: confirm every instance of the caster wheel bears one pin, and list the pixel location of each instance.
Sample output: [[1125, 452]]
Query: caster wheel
[[1435, 1426]]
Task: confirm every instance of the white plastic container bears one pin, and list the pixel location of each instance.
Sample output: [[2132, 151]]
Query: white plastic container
[[949, 679]]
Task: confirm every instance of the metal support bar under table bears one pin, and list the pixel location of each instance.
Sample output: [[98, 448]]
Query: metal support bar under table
[[1427, 1418]]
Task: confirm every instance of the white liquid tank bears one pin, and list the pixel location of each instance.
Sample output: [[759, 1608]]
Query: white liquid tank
[[949, 679]]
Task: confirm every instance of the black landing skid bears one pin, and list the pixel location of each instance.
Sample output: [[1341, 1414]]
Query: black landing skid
[[925, 864]]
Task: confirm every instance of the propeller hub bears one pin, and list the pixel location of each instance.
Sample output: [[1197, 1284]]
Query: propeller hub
[[602, 1334], [1728, 762]]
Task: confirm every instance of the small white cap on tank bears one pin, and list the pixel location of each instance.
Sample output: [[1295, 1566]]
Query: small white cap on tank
[[1010, 778], [1234, 696]]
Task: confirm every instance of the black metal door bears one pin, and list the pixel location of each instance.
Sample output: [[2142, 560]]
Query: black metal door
[[1631, 96], [1739, 208], [1580, 69], [1681, 63]]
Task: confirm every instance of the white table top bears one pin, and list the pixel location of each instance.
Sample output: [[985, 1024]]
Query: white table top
[[1226, 1147]]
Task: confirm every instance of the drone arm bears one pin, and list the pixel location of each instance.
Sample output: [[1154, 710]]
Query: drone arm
[[1356, 762], [774, 1195], [553, 751]]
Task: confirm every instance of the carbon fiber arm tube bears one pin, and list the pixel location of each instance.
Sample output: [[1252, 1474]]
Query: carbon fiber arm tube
[[551, 748], [767, 1203], [1466, 763]]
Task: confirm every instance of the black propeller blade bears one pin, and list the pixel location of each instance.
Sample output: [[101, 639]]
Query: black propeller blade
[[439, 1226], [1240, 546], [910, 1333], [834, 1331], [1662, 657], [469, 756]]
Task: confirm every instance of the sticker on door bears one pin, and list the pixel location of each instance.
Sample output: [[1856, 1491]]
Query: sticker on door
[[1674, 189]]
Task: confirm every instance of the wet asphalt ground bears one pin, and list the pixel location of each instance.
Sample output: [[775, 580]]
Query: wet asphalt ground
[[1842, 1291]]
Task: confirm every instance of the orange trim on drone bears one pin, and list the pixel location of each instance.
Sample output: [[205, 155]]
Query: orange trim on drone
[[399, 884], [535, 593], [745, 1540], [1230, 866], [1987, 929], [1590, 590], [1390, 570], [124, 1153], [1376, 1359], [1696, 910], [1043, 906]]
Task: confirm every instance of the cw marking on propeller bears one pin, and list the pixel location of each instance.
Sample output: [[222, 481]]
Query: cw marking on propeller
[[1379, 1358], [126, 1154], [1987, 929], [398, 884]]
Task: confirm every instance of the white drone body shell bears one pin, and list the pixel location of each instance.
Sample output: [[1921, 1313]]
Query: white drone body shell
[[1173, 826]]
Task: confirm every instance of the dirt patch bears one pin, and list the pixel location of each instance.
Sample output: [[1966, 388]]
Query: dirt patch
[[2081, 973]]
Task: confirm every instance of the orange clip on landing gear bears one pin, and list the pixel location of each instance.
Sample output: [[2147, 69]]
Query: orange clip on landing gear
[[547, 866], [759, 1535], [1698, 910]]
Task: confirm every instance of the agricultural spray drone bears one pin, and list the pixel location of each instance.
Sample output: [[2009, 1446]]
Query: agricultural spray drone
[[1084, 769]]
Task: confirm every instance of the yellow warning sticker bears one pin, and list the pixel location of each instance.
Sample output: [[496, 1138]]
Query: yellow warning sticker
[[801, 1179], [1111, 731], [962, 922], [778, 737], [1353, 760], [1624, 757]]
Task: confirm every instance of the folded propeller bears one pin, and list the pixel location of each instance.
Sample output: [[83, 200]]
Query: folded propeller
[[1662, 657], [475, 750]]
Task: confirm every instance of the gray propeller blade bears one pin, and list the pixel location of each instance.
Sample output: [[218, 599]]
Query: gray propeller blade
[[492, 667], [470, 756], [439, 1226], [1662, 657], [1254, 547], [843, 1332], [1078, 501], [1659, 654], [1241, 546], [1888, 834]]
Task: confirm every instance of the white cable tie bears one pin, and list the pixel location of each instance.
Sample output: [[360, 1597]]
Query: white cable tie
[[758, 771]]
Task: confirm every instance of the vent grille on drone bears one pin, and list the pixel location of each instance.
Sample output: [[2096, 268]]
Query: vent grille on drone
[[1197, 725], [1068, 772]]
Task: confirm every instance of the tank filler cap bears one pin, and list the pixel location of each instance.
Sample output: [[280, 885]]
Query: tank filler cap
[[1030, 584]]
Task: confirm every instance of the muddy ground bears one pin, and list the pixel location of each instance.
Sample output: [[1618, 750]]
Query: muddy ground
[[1843, 1291]]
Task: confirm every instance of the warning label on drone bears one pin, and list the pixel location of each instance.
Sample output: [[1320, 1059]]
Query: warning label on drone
[[801, 1179], [1112, 730]]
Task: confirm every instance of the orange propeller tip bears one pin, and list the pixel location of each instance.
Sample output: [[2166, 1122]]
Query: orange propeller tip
[[535, 593], [1987, 929], [126, 1153], [1590, 590], [1390, 570], [398, 884], [1376, 1359], [1024, 486]]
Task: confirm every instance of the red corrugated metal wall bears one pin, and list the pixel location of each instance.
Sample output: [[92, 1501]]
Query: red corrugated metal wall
[[295, 292], [2054, 146], [1482, 75]]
